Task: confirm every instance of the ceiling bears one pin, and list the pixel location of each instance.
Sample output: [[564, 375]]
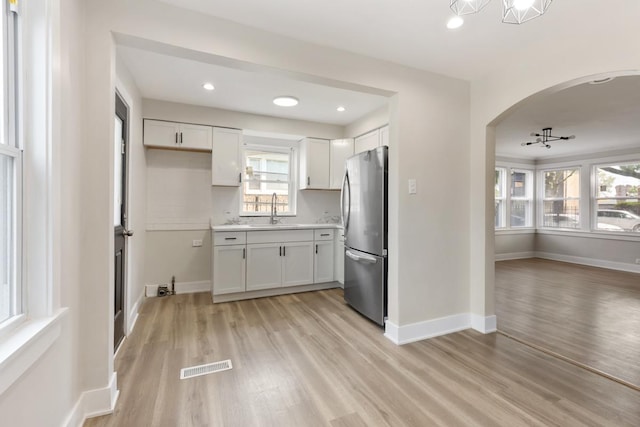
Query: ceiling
[[169, 78], [603, 117], [413, 33]]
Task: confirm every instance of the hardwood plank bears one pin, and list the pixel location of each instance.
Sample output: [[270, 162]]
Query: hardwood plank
[[587, 314], [309, 360]]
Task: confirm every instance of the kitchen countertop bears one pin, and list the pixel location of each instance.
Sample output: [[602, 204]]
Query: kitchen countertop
[[265, 227]]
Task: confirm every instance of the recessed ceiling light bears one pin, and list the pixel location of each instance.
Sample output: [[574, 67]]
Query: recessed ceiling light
[[208, 86], [285, 101], [455, 22], [601, 81], [341, 108]]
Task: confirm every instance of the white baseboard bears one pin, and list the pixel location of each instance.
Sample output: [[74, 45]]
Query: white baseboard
[[93, 403], [133, 315], [613, 265], [428, 329], [181, 288], [515, 255], [484, 324]]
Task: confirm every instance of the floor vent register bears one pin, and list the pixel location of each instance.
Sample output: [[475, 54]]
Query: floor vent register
[[209, 368]]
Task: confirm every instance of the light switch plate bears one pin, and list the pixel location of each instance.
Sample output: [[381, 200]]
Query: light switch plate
[[196, 243], [413, 189]]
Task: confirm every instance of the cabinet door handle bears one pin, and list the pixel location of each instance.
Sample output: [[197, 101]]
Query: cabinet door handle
[[230, 238], [280, 251], [284, 251], [316, 248], [308, 180], [176, 137], [180, 138], [240, 177], [325, 235], [244, 253]]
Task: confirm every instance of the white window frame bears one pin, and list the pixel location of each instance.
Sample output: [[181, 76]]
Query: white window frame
[[542, 199], [292, 179], [501, 203], [595, 191], [507, 170], [11, 146]]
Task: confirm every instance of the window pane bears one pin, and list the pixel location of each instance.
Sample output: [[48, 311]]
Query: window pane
[[500, 207], [521, 213], [617, 205], [267, 173], [499, 183], [561, 214], [7, 237], [519, 184], [562, 184]]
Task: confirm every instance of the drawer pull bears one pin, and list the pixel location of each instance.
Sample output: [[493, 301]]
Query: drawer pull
[[230, 238], [325, 235]]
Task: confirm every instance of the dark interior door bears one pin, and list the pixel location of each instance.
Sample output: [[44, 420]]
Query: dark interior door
[[120, 217]]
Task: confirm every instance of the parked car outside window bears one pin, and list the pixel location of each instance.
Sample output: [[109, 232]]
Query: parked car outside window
[[626, 220]]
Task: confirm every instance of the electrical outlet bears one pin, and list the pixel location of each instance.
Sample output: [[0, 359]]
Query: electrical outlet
[[196, 243]]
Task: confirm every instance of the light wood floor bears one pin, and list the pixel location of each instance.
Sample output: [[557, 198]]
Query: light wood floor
[[309, 360], [588, 314]]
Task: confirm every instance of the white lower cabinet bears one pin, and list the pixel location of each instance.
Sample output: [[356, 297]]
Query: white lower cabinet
[[229, 264], [297, 263], [323, 263], [264, 266], [338, 263], [275, 265], [260, 260]]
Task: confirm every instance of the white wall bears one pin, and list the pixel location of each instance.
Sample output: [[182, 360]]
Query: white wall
[[136, 196], [598, 43], [515, 245], [373, 120], [47, 392]]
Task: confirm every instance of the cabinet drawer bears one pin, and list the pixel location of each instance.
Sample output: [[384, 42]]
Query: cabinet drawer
[[229, 238], [279, 236], [324, 234]]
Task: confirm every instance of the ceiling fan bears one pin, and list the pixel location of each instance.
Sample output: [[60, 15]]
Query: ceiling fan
[[545, 138]]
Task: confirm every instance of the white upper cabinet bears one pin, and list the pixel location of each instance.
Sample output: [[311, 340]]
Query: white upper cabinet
[[163, 134], [340, 151], [314, 164], [368, 141], [226, 164], [384, 136], [374, 139]]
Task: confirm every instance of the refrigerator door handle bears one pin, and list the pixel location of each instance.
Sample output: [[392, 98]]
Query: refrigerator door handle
[[361, 258], [345, 216]]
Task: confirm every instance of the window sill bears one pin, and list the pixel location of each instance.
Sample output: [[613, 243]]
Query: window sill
[[22, 347], [591, 234], [523, 230]]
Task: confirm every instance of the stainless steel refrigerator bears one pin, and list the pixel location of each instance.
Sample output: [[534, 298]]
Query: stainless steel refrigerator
[[364, 216]]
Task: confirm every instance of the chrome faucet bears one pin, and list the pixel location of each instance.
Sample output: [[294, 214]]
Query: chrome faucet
[[274, 212]]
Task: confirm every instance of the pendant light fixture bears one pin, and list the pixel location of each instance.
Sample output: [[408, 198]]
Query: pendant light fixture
[[519, 11], [513, 11], [543, 139], [465, 7]]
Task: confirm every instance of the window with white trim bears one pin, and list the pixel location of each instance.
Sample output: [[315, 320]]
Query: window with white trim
[[616, 197], [561, 198], [520, 198], [500, 185], [268, 180], [11, 302], [513, 198]]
